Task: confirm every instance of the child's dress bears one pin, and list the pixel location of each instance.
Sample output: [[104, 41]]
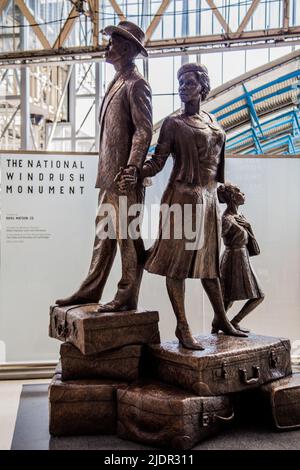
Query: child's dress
[[238, 279]]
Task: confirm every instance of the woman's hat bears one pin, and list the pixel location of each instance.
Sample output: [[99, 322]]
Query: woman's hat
[[129, 31]]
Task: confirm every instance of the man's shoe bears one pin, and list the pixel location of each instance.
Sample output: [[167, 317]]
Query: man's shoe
[[116, 306]]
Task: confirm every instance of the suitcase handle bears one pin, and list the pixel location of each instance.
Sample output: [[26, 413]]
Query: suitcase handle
[[254, 379], [225, 418], [209, 418]]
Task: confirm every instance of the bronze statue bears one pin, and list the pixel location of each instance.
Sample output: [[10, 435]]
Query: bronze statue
[[238, 279], [125, 120], [196, 142]]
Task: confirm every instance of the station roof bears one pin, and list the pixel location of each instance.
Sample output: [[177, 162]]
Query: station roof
[[260, 110]]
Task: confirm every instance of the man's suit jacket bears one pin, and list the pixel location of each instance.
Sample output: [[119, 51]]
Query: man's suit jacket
[[125, 120]]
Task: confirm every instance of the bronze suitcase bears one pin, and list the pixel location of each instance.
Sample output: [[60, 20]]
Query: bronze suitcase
[[164, 416], [121, 363], [282, 398], [82, 407], [228, 364], [92, 332]]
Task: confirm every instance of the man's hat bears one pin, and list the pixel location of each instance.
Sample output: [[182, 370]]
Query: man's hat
[[129, 31]]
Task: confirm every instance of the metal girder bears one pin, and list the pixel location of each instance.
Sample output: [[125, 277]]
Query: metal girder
[[23, 89], [94, 9], [85, 117], [185, 32], [160, 48], [248, 16], [32, 136], [3, 4], [72, 108], [156, 19], [117, 9], [66, 29], [3, 76], [286, 14], [51, 56], [264, 156], [252, 111], [59, 106], [245, 39], [213, 39], [10, 120], [219, 16], [33, 23]]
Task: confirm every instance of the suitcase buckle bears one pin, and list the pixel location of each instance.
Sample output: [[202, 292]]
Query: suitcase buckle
[[205, 420], [224, 372], [274, 359], [62, 331]]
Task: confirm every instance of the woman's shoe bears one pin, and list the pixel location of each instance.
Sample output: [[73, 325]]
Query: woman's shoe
[[227, 329], [186, 339]]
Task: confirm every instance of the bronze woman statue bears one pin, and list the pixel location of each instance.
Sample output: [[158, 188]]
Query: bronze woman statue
[[238, 279], [196, 142]]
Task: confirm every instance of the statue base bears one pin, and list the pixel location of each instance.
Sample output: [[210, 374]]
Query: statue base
[[93, 332], [185, 396], [121, 363], [83, 407]]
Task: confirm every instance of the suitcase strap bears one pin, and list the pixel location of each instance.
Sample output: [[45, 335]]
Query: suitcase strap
[[273, 359]]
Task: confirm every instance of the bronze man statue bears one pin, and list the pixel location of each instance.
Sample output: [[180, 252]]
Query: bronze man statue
[[238, 279], [196, 142], [125, 120]]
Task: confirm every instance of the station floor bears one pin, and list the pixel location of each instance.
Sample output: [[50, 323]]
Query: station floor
[[24, 425], [10, 392]]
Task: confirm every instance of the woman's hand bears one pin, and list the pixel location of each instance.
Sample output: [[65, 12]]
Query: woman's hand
[[126, 179]]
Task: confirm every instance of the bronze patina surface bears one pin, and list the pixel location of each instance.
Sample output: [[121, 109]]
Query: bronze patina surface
[[125, 120], [122, 363], [238, 279], [93, 332], [165, 416], [83, 406], [228, 364], [282, 398], [196, 142]]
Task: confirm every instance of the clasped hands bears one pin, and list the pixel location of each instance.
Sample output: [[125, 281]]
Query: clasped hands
[[126, 179]]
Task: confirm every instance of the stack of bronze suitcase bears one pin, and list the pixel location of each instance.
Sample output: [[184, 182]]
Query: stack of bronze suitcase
[[117, 377]]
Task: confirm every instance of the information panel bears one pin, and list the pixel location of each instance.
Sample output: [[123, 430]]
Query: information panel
[[48, 205]]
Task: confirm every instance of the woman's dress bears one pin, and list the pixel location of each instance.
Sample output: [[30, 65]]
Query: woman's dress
[[192, 248]]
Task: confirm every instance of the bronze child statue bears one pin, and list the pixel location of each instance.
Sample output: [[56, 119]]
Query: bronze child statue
[[238, 279]]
